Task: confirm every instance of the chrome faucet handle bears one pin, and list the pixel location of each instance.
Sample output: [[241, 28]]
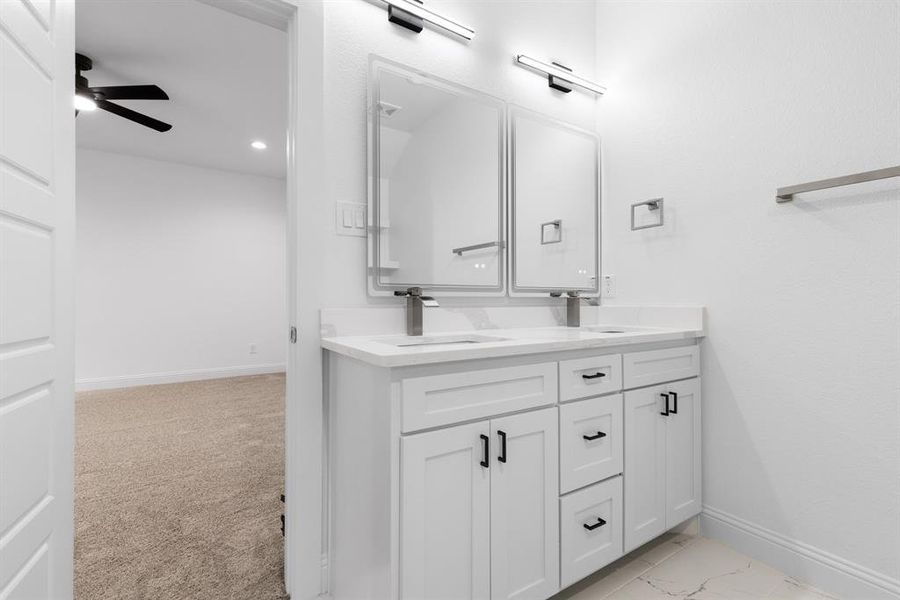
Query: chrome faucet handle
[[415, 302], [413, 291]]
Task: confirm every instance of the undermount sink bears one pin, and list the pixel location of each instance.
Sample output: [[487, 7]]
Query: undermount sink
[[407, 341], [609, 329]]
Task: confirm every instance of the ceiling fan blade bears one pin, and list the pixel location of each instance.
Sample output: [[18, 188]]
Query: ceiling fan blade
[[131, 92], [132, 115]]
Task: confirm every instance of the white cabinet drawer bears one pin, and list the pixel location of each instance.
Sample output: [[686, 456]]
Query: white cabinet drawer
[[657, 366], [590, 530], [443, 399], [586, 377], [590, 441]]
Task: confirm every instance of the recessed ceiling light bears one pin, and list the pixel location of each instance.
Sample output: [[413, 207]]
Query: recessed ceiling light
[[83, 102], [258, 145]]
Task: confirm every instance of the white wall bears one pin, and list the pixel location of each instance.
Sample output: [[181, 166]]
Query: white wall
[[562, 31], [179, 270], [713, 106], [333, 42]]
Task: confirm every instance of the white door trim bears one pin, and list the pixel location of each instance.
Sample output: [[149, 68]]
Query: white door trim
[[305, 527]]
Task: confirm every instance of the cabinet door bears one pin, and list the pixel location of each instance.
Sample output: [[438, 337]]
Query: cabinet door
[[645, 466], [445, 514], [683, 452], [524, 501]]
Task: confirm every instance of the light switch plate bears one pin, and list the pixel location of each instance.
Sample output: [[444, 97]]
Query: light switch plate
[[350, 219], [608, 289]]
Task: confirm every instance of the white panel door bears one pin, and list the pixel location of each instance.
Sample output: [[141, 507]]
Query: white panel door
[[683, 479], [37, 161], [524, 506], [645, 466], [445, 514]]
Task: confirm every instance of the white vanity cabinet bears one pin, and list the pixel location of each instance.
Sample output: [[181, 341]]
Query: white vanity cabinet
[[510, 477], [662, 459], [445, 508], [472, 498], [524, 513]]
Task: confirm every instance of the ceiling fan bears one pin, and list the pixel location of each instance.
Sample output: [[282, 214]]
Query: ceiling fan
[[92, 98]]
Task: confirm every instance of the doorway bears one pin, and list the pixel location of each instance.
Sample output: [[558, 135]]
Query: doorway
[[181, 307]]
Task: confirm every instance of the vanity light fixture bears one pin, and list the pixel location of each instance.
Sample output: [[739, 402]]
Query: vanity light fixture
[[412, 15], [560, 77]]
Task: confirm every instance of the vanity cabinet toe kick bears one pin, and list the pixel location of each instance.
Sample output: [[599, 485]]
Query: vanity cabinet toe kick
[[509, 478]]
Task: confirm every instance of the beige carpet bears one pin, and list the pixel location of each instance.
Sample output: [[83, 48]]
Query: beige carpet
[[177, 491]]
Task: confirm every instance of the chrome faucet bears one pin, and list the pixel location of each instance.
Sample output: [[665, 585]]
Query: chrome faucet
[[415, 302], [573, 306]]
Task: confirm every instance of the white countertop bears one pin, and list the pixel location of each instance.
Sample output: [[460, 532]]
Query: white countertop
[[392, 351]]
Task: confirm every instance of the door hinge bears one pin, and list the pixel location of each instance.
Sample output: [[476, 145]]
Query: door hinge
[[293, 334]]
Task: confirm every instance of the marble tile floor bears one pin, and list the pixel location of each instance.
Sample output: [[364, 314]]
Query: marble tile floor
[[688, 567]]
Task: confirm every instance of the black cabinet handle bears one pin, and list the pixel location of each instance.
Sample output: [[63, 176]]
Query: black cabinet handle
[[502, 435], [591, 438], [486, 451], [596, 375], [674, 403], [666, 398], [600, 523]]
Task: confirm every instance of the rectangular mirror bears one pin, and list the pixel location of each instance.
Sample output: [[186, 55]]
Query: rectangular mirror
[[554, 185], [436, 184]]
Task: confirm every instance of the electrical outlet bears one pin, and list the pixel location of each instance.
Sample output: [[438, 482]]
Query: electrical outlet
[[252, 348], [608, 289]]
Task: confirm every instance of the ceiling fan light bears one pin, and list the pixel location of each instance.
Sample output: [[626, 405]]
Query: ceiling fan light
[[83, 102]]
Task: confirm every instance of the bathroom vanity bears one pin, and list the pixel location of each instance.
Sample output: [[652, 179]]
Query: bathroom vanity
[[497, 460], [505, 463]]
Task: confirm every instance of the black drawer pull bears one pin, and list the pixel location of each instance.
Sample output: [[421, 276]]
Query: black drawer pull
[[486, 451], [502, 435], [600, 523], [591, 438], [596, 375], [666, 398], [674, 403]]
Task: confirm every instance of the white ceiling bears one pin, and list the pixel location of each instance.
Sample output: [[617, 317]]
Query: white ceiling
[[226, 76]]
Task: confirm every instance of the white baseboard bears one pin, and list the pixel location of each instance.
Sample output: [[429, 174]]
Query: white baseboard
[[821, 569], [123, 381]]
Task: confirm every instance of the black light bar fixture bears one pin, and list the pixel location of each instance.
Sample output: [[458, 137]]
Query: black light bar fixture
[[560, 77], [413, 15]]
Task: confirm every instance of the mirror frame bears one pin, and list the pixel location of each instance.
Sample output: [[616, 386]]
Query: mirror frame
[[514, 289], [377, 65]]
